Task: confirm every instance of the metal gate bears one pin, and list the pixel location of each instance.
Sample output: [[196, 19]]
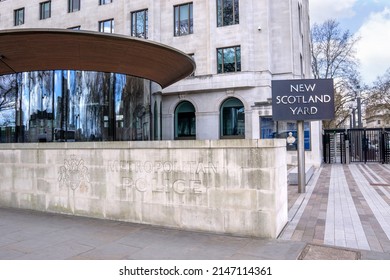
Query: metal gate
[[365, 145], [334, 146], [386, 145]]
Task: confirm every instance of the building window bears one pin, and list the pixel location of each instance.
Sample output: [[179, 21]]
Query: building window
[[78, 27], [19, 16], [139, 24], [227, 12], [106, 26], [45, 10], [104, 2], [185, 121], [270, 129], [73, 6], [229, 59], [232, 116], [183, 19], [193, 58]]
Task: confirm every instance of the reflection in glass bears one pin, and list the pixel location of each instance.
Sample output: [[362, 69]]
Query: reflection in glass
[[229, 60], [185, 121], [281, 129], [233, 118], [106, 26], [183, 19], [227, 12], [139, 24], [69, 106]]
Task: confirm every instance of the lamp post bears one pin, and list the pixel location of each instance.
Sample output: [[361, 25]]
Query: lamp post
[[359, 107], [352, 117]]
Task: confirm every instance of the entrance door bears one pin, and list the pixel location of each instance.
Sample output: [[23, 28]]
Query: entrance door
[[334, 146], [365, 145]]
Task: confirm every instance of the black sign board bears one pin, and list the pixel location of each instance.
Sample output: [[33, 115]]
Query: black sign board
[[310, 99]]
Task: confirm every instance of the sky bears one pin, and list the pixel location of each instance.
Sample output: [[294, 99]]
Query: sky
[[368, 19]]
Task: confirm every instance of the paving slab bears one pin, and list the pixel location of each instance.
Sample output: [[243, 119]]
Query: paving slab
[[320, 252]]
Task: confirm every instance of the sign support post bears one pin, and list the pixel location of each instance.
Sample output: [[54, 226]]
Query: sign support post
[[302, 100], [301, 158]]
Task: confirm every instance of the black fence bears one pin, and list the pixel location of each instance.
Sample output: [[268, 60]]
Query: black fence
[[365, 145]]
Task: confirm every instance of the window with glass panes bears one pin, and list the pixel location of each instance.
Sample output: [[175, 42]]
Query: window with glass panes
[[19, 16], [185, 121], [106, 26], [232, 116], [183, 19], [270, 129], [103, 2], [73, 6], [229, 59], [45, 10], [227, 12], [139, 24]]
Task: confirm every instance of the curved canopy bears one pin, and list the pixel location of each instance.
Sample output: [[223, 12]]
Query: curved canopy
[[24, 50]]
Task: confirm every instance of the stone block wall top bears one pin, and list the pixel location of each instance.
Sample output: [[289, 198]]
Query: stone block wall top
[[188, 144]]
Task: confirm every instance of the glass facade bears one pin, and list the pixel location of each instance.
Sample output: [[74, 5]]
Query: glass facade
[[50, 106], [285, 130]]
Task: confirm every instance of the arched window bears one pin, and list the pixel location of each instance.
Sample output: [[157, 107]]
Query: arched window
[[232, 119], [185, 121]]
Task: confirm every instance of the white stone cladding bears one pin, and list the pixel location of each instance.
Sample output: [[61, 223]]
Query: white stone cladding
[[234, 186], [273, 36]]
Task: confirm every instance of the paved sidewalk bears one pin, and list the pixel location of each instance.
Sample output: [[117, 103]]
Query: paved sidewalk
[[34, 235], [347, 206], [344, 214]]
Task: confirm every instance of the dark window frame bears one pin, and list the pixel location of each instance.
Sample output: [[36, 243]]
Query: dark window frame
[[186, 118], [270, 129], [222, 14], [177, 30], [112, 25], [77, 27], [105, 2], [18, 17], [235, 131], [72, 7], [221, 67], [192, 55], [42, 10]]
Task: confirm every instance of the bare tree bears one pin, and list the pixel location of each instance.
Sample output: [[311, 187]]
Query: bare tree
[[378, 101], [8, 90], [333, 57]]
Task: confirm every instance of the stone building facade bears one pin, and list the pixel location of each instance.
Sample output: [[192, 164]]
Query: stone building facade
[[239, 47]]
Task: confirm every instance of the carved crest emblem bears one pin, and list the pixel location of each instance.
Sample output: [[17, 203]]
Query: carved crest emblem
[[74, 174]]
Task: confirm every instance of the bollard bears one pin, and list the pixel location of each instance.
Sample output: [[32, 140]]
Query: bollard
[[347, 155]]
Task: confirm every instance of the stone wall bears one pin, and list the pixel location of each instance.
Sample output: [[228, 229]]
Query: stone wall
[[232, 186]]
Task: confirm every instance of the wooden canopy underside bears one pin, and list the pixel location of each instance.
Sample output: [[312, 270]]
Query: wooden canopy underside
[[24, 50]]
